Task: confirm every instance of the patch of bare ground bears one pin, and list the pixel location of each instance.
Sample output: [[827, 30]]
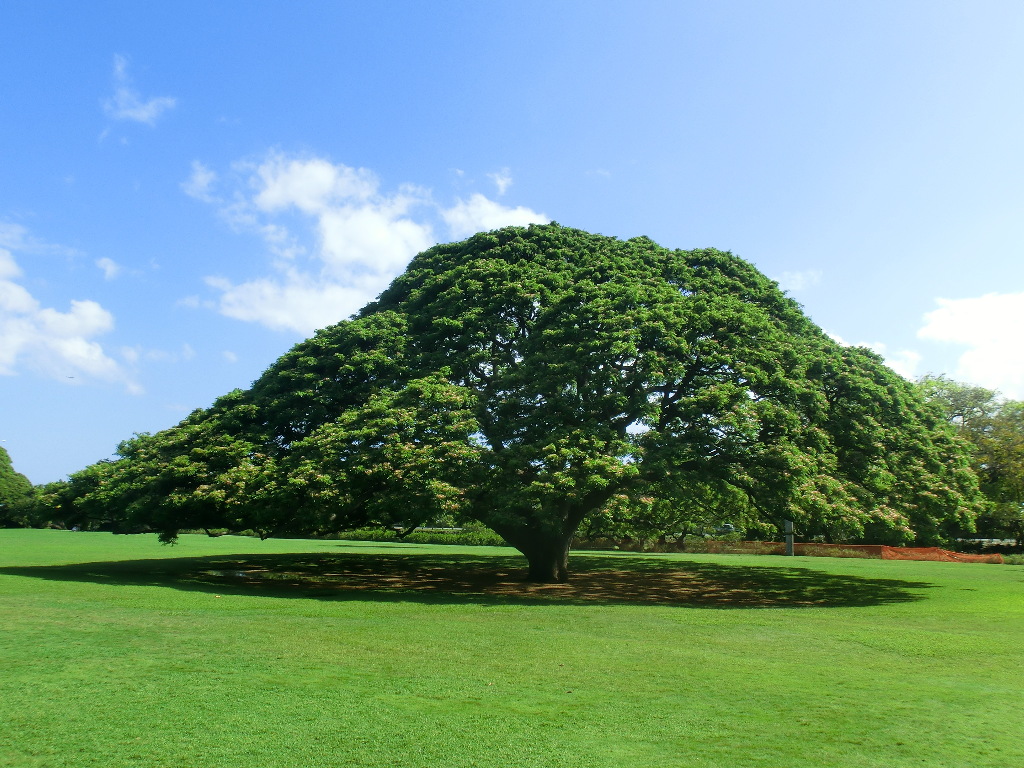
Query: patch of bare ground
[[430, 577]]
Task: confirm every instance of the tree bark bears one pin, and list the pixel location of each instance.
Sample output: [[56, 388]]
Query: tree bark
[[546, 546], [547, 552], [548, 559]]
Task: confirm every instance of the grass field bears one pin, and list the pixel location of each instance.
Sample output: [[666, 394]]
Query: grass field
[[231, 652]]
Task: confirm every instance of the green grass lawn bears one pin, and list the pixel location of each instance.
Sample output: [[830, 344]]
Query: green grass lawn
[[231, 652]]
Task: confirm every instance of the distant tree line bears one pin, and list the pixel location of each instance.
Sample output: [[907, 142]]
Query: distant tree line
[[993, 428]]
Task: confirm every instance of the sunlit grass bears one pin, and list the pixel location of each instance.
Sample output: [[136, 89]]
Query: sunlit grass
[[116, 651]]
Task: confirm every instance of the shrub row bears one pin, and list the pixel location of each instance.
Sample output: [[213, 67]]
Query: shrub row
[[469, 537]]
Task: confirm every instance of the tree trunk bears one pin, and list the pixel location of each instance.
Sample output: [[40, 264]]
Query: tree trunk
[[548, 559], [546, 546], [547, 553]]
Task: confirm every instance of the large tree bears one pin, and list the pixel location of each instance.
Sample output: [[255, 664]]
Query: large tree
[[530, 378]]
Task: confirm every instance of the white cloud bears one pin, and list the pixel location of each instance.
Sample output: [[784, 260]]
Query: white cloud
[[374, 239], [199, 185], [56, 344], [502, 180], [230, 356], [127, 104], [110, 268], [798, 281], [16, 300], [295, 303], [8, 267], [338, 239], [479, 213], [312, 185], [990, 327]]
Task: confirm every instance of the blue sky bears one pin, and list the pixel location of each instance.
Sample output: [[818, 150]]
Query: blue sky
[[191, 188]]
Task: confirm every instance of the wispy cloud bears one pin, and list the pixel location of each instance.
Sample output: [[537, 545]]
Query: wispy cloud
[[14, 236], [989, 327], [200, 184], [109, 267], [138, 354], [337, 238], [502, 180], [17, 238], [128, 104], [799, 280]]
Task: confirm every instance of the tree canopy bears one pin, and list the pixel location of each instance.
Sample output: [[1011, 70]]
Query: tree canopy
[[15, 492], [534, 378], [994, 429]]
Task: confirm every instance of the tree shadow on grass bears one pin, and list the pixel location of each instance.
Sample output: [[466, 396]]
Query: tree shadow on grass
[[490, 579]]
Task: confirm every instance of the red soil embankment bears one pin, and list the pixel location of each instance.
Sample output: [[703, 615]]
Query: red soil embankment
[[870, 551]]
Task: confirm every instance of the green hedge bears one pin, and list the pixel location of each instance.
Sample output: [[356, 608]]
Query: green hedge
[[471, 537]]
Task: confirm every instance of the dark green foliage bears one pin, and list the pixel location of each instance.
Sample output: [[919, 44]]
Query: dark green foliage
[[533, 379], [472, 535], [16, 494], [994, 430]]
